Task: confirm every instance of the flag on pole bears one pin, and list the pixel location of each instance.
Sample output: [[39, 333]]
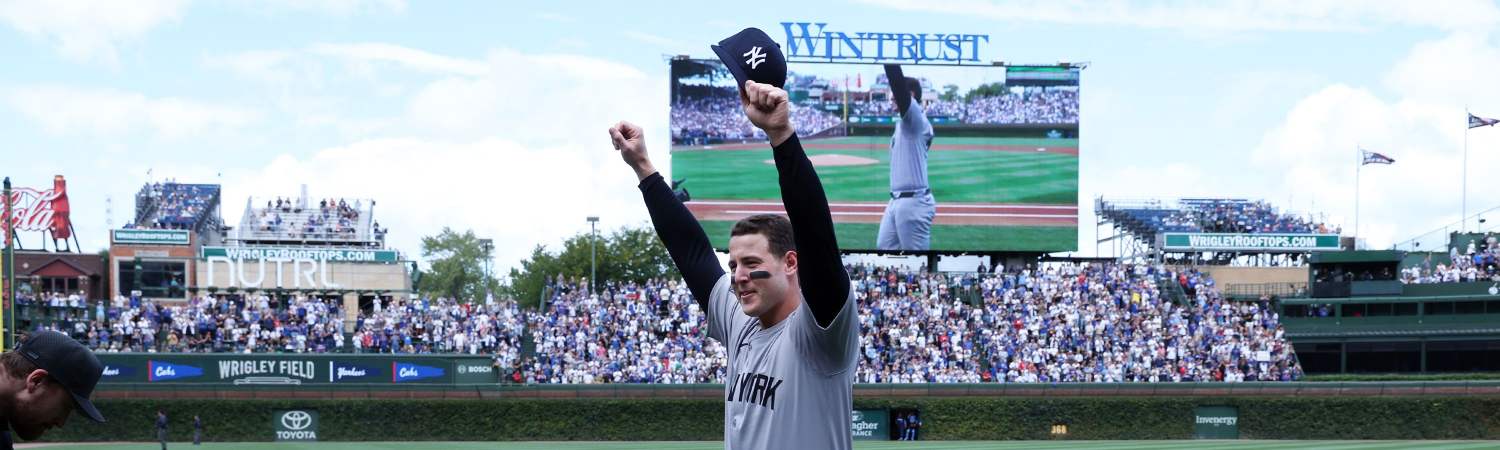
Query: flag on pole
[[1476, 121], [1375, 158]]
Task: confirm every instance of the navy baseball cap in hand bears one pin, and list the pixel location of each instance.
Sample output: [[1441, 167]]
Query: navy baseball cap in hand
[[752, 55], [68, 362]]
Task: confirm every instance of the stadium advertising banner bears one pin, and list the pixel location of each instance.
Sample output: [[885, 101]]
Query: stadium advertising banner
[[295, 370], [816, 41], [997, 172], [1216, 422], [272, 268], [304, 254], [871, 424], [295, 424], [42, 210], [1256, 242], [4, 297], [150, 237]]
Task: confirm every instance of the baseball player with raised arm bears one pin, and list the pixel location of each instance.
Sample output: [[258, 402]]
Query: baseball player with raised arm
[[784, 311], [907, 223]]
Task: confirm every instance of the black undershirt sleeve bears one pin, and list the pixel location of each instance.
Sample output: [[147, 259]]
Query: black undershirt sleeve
[[898, 87], [684, 238], [825, 283]]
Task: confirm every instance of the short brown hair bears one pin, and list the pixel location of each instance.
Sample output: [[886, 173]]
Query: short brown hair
[[776, 228], [17, 366]]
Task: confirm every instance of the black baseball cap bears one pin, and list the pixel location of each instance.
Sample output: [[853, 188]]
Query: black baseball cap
[[752, 55], [68, 362]]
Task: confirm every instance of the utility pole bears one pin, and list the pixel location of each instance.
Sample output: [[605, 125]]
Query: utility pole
[[488, 245], [593, 254], [8, 272]]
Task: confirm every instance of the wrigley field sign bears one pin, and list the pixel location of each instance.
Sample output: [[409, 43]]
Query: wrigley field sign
[[1256, 242]]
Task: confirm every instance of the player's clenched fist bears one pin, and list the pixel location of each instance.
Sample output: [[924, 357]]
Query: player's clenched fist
[[630, 141], [769, 109]]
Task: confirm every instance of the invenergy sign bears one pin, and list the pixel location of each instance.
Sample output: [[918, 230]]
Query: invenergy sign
[[1264, 242]]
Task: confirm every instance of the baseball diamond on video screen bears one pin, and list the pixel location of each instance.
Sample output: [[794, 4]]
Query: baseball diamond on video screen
[[1001, 159]]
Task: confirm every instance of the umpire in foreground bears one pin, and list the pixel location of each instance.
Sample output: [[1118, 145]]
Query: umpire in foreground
[[784, 310], [46, 378]]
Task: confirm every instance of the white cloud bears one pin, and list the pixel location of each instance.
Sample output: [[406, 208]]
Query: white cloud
[[1227, 16], [334, 7], [1244, 94], [648, 38], [370, 53], [89, 31], [261, 65], [554, 17], [1421, 126], [542, 98], [65, 109], [1457, 70], [518, 195], [513, 145], [92, 31]]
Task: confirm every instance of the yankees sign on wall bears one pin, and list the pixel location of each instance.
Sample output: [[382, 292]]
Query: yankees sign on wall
[[296, 424]]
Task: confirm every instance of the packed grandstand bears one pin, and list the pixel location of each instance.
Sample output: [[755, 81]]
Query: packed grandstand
[[1061, 322], [1147, 218], [176, 206], [709, 115]]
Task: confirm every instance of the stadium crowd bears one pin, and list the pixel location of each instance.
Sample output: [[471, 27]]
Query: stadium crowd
[[933, 108], [1035, 106], [1069, 323], [1032, 106], [720, 118], [211, 324], [629, 333], [1478, 262], [716, 118], [1210, 216], [1057, 323], [441, 326], [177, 206], [331, 219], [1243, 216]]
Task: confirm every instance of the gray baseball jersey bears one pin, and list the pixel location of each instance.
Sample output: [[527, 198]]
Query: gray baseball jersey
[[909, 145], [907, 222], [790, 386]]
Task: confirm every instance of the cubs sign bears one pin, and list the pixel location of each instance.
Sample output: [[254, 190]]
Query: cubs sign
[[296, 425]]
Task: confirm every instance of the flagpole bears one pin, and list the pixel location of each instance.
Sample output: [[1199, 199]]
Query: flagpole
[[1360, 162], [1463, 218]]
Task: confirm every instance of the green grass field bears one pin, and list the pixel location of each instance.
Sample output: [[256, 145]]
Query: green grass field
[[861, 236], [967, 176], [925, 445]]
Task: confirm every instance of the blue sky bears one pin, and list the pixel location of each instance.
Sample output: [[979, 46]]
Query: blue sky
[[491, 115]]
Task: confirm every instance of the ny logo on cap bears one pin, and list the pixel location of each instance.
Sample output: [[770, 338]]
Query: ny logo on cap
[[756, 56]]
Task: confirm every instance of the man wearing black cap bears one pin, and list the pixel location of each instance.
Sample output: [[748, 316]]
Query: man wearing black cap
[[45, 379], [783, 312]]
